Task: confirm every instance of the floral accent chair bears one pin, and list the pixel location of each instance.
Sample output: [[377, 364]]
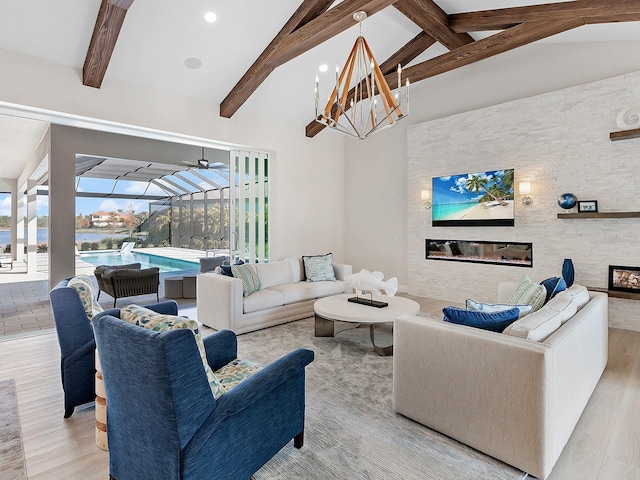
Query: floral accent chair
[[73, 305], [185, 429]]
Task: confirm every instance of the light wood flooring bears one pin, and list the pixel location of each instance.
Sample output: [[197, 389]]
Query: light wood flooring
[[604, 446]]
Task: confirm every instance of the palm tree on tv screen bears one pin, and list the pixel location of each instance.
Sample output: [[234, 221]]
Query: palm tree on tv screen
[[476, 183]]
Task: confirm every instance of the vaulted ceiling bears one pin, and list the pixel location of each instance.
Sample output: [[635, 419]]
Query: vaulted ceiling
[[261, 57], [314, 22]]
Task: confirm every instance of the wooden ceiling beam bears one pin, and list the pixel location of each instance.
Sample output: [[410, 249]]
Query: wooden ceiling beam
[[593, 11], [329, 24], [260, 70], [433, 20], [407, 52], [405, 55], [103, 40], [610, 18], [501, 42]]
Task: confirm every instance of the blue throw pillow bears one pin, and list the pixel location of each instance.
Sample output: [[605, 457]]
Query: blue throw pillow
[[553, 285], [494, 321], [226, 269]]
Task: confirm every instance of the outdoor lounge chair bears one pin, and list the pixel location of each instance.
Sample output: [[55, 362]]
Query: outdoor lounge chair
[[99, 271], [130, 282], [127, 247]]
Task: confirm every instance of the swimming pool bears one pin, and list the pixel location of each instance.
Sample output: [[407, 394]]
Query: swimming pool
[[146, 260]]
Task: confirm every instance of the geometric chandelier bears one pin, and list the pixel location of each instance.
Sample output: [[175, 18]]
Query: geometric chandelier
[[362, 103]]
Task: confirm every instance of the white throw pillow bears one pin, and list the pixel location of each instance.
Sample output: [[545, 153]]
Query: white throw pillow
[[497, 307]]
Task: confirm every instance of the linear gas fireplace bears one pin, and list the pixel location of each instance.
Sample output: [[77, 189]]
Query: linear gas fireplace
[[518, 254]]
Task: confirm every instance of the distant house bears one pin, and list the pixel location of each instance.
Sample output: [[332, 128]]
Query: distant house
[[102, 219]]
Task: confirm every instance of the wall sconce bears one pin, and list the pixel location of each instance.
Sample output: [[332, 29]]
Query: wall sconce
[[425, 196], [525, 190]]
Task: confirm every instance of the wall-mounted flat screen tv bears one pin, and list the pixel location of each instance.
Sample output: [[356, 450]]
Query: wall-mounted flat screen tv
[[473, 199]]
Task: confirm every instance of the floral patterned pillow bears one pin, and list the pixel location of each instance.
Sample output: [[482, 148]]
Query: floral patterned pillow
[[84, 286], [144, 317], [234, 372]]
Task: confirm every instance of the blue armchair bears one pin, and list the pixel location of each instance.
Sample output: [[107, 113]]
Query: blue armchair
[[163, 419], [77, 344]]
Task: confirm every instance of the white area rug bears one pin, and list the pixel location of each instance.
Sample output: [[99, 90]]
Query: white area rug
[[351, 430]]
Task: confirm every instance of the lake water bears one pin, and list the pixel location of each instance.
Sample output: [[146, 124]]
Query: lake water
[[43, 236]]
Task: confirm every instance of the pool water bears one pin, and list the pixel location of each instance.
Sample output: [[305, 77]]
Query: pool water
[[146, 260]]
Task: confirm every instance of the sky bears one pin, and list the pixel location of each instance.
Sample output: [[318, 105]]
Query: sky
[[87, 206], [452, 189]]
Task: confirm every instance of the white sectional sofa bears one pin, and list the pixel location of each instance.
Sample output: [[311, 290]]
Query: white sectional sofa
[[284, 296], [513, 398]]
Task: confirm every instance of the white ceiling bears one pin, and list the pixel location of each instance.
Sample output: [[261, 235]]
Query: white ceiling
[[158, 36]]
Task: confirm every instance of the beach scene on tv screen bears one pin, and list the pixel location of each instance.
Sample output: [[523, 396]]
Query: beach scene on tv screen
[[473, 196]]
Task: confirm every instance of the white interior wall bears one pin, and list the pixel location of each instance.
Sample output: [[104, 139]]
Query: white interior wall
[[376, 178]]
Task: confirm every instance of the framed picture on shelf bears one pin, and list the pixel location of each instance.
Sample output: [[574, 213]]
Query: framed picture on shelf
[[588, 206], [624, 279]]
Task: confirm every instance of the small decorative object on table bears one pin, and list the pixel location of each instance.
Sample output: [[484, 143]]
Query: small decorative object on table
[[588, 206], [371, 282], [567, 201]]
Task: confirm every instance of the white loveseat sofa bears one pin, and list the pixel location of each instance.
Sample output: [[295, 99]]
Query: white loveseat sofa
[[515, 399], [284, 296]]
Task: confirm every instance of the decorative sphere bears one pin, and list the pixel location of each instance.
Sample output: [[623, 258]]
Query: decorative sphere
[[567, 200]]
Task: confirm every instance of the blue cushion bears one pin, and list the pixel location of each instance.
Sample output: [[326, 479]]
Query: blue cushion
[[226, 269], [494, 321], [553, 285]]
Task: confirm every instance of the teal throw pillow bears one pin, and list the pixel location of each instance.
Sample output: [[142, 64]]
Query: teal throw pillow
[[226, 269], [249, 277], [495, 321], [318, 268]]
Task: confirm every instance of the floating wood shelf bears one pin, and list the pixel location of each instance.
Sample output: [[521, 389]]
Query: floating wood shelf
[[625, 134], [615, 293], [569, 216]]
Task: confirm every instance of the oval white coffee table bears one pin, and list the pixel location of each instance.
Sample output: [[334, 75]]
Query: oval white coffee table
[[337, 307]]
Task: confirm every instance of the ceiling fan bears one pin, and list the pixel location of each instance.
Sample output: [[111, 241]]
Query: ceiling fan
[[201, 163]]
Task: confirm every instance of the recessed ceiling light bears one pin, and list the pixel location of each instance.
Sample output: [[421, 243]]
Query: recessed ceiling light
[[210, 17], [193, 63], [323, 68]]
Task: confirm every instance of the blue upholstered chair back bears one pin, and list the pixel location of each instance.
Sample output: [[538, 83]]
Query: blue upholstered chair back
[[77, 346], [162, 419], [157, 394]]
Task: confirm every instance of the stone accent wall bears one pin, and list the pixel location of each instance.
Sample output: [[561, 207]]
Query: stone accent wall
[[559, 142]]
